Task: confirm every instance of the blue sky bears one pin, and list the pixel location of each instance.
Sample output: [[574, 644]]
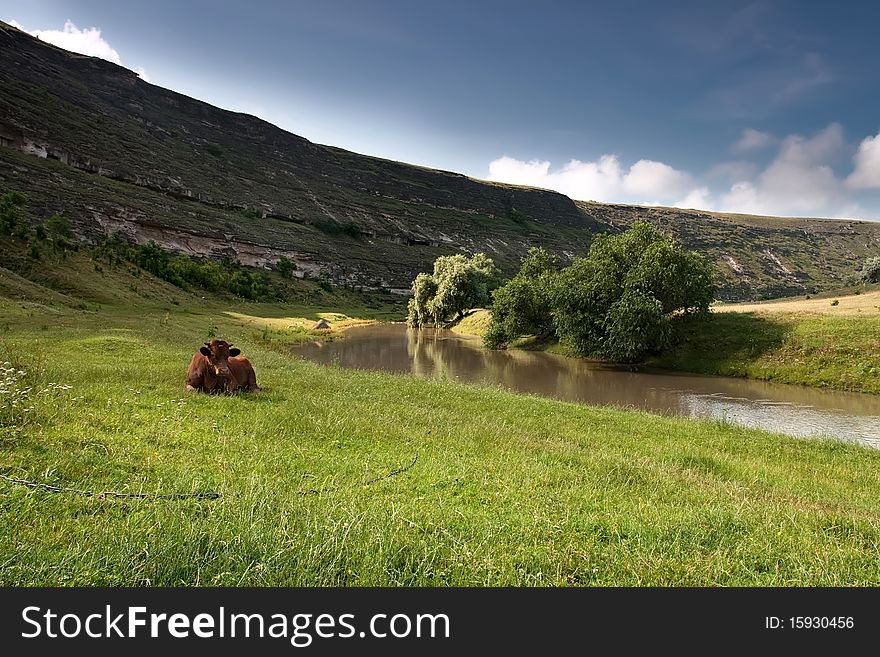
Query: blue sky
[[768, 107]]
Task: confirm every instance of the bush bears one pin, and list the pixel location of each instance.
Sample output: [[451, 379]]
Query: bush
[[871, 270], [11, 209], [522, 305], [57, 226], [458, 283], [635, 326], [325, 283], [285, 266], [617, 302], [184, 271], [333, 227], [424, 288]]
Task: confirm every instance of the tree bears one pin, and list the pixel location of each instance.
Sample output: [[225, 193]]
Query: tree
[[618, 302], [871, 270], [11, 208], [58, 226], [424, 288], [458, 283], [285, 266], [521, 306]]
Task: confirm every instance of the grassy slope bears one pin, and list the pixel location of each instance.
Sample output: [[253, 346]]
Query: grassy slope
[[809, 342], [507, 489]]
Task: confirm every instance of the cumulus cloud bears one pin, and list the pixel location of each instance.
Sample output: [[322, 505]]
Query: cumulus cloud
[[86, 42], [797, 181], [752, 140], [697, 199], [647, 178], [604, 179], [866, 174]]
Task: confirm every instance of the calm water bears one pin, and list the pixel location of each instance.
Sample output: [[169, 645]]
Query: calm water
[[794, 410]]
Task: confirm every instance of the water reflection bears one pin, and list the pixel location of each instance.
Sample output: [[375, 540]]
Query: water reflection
[[795, 410]]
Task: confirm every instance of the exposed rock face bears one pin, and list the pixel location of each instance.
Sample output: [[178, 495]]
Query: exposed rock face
[[114, 154]]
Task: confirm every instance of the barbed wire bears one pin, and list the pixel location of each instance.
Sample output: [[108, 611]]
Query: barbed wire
[[393, 473], [204, 495], [208, 495]]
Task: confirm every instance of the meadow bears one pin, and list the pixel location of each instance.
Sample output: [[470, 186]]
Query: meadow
[[335, 477]]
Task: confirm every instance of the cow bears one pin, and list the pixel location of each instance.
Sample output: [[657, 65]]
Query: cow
[[217, 367]]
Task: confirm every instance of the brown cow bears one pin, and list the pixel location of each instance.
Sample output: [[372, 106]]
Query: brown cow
[[216, 367]]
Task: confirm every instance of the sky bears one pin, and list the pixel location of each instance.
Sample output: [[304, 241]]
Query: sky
[[768, 107]]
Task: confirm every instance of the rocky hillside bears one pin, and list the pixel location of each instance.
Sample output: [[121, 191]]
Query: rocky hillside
[[759, 257], [114, 154]]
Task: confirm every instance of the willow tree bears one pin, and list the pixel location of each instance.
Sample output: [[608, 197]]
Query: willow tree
[[457, 284]]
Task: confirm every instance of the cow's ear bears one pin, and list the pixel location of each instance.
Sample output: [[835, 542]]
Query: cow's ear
[[235, 351], [205, 351]]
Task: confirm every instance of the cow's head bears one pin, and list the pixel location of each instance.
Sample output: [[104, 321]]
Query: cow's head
[[218, 353]]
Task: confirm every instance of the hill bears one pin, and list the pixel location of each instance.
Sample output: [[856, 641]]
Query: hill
[[114, 154]]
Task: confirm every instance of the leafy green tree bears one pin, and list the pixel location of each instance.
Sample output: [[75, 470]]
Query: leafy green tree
[[871, 270], [635, 325], [58, 226], [457, 284], [618, 302], [11, 210], [424, 288], [285, 266], [521, 306]]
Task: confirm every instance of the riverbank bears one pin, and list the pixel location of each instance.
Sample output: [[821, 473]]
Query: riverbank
[[505, 489], [805, 342]]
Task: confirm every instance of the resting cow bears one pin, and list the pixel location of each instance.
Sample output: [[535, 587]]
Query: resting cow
[[216, 367]]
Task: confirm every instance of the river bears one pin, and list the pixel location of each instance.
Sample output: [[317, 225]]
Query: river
[[794, 410]]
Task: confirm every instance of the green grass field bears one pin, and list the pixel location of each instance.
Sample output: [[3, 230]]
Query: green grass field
[[506, 489], [819, 350]]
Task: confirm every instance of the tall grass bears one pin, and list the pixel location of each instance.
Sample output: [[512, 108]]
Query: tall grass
[[507, 489]]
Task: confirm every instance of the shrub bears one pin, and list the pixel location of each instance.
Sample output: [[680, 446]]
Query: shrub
[[617, 302], [424, 288], [871, 270], [333, 227], [635, 326], [285, 266], [57, 226], [11, 209], [521, 306], [185, 271]]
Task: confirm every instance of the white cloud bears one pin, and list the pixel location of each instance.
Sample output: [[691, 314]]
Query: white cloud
[[866, 174], [752, 140], [600, 180], [647, 178], [797, 181], [697, 199], [86, 42]]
